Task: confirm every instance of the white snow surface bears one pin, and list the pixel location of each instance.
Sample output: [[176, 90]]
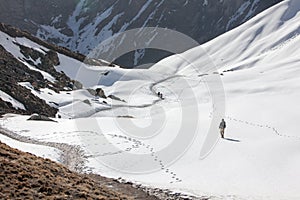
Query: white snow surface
[[38, 150], [16, 104], [260, 157]]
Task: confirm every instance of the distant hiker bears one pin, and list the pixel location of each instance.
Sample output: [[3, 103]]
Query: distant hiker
[[161, 96], [222, 127]]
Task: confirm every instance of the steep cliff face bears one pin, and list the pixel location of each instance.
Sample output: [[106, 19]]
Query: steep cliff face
[[81, 25]]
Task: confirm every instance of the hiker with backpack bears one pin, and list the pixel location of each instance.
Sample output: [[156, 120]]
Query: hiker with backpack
[[222, 127]]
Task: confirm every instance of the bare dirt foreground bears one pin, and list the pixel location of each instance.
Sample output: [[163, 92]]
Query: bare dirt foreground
[[26, 176]]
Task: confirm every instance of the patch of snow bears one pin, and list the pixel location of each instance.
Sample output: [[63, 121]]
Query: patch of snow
[[46, 75], [47, 32], [252, 10], [56, 19], [9, 44], [238, 13], [16, 104], [38, 150]]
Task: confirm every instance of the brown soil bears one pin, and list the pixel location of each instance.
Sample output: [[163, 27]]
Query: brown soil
[[25, 176]]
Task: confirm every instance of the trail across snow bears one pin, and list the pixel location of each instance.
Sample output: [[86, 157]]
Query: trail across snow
[[257, 65]]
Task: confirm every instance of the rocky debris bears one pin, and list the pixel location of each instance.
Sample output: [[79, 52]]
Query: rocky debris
[[125, 188], [97, 62], [12, 72], [48, 61], [161, 193], [125, 116], [91, 91], [111, 96], [86, 101], [6, 107], [77, 85], [37, 117], [100, 93]]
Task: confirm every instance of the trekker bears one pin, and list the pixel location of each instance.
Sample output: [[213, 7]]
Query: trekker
[[222, 127]]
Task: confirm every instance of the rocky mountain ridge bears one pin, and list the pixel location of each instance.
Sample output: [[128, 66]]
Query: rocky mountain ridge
[[28, 69], [82, 25]]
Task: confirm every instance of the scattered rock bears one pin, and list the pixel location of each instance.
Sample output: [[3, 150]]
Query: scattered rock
[[125, 116], [37, 117], [100, 93], [87, 101], [77, 85], [91, 91], [111, 96], [105, 73]]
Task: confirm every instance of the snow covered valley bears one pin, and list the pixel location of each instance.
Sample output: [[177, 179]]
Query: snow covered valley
[[249, 76]]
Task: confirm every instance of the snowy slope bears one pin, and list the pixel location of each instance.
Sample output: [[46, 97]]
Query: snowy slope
[[82, 25], [158, 142]]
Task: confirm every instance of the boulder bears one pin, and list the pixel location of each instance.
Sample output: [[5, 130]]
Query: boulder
[[100, 93], [37, 117]]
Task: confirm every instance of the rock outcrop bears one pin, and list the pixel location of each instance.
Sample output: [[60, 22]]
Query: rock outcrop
[[12, 72]]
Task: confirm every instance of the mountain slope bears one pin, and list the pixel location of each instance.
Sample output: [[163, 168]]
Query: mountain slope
[[82, 25], [249, 76], [24, 175], [24, 62]]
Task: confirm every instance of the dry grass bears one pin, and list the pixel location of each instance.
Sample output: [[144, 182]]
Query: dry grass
[[25, 176]]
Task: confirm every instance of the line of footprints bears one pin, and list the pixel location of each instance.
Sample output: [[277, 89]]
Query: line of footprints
[[263, 126], [257, 125], [137, 144]]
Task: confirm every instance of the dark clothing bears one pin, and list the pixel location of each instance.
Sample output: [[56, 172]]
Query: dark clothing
[[222, 125]]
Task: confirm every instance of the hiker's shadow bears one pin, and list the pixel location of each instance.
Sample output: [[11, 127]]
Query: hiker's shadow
[[232, 140]]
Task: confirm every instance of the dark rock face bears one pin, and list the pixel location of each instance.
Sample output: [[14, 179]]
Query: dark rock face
[[100, 93], [82, 25], [14, 32], [13, 71]]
